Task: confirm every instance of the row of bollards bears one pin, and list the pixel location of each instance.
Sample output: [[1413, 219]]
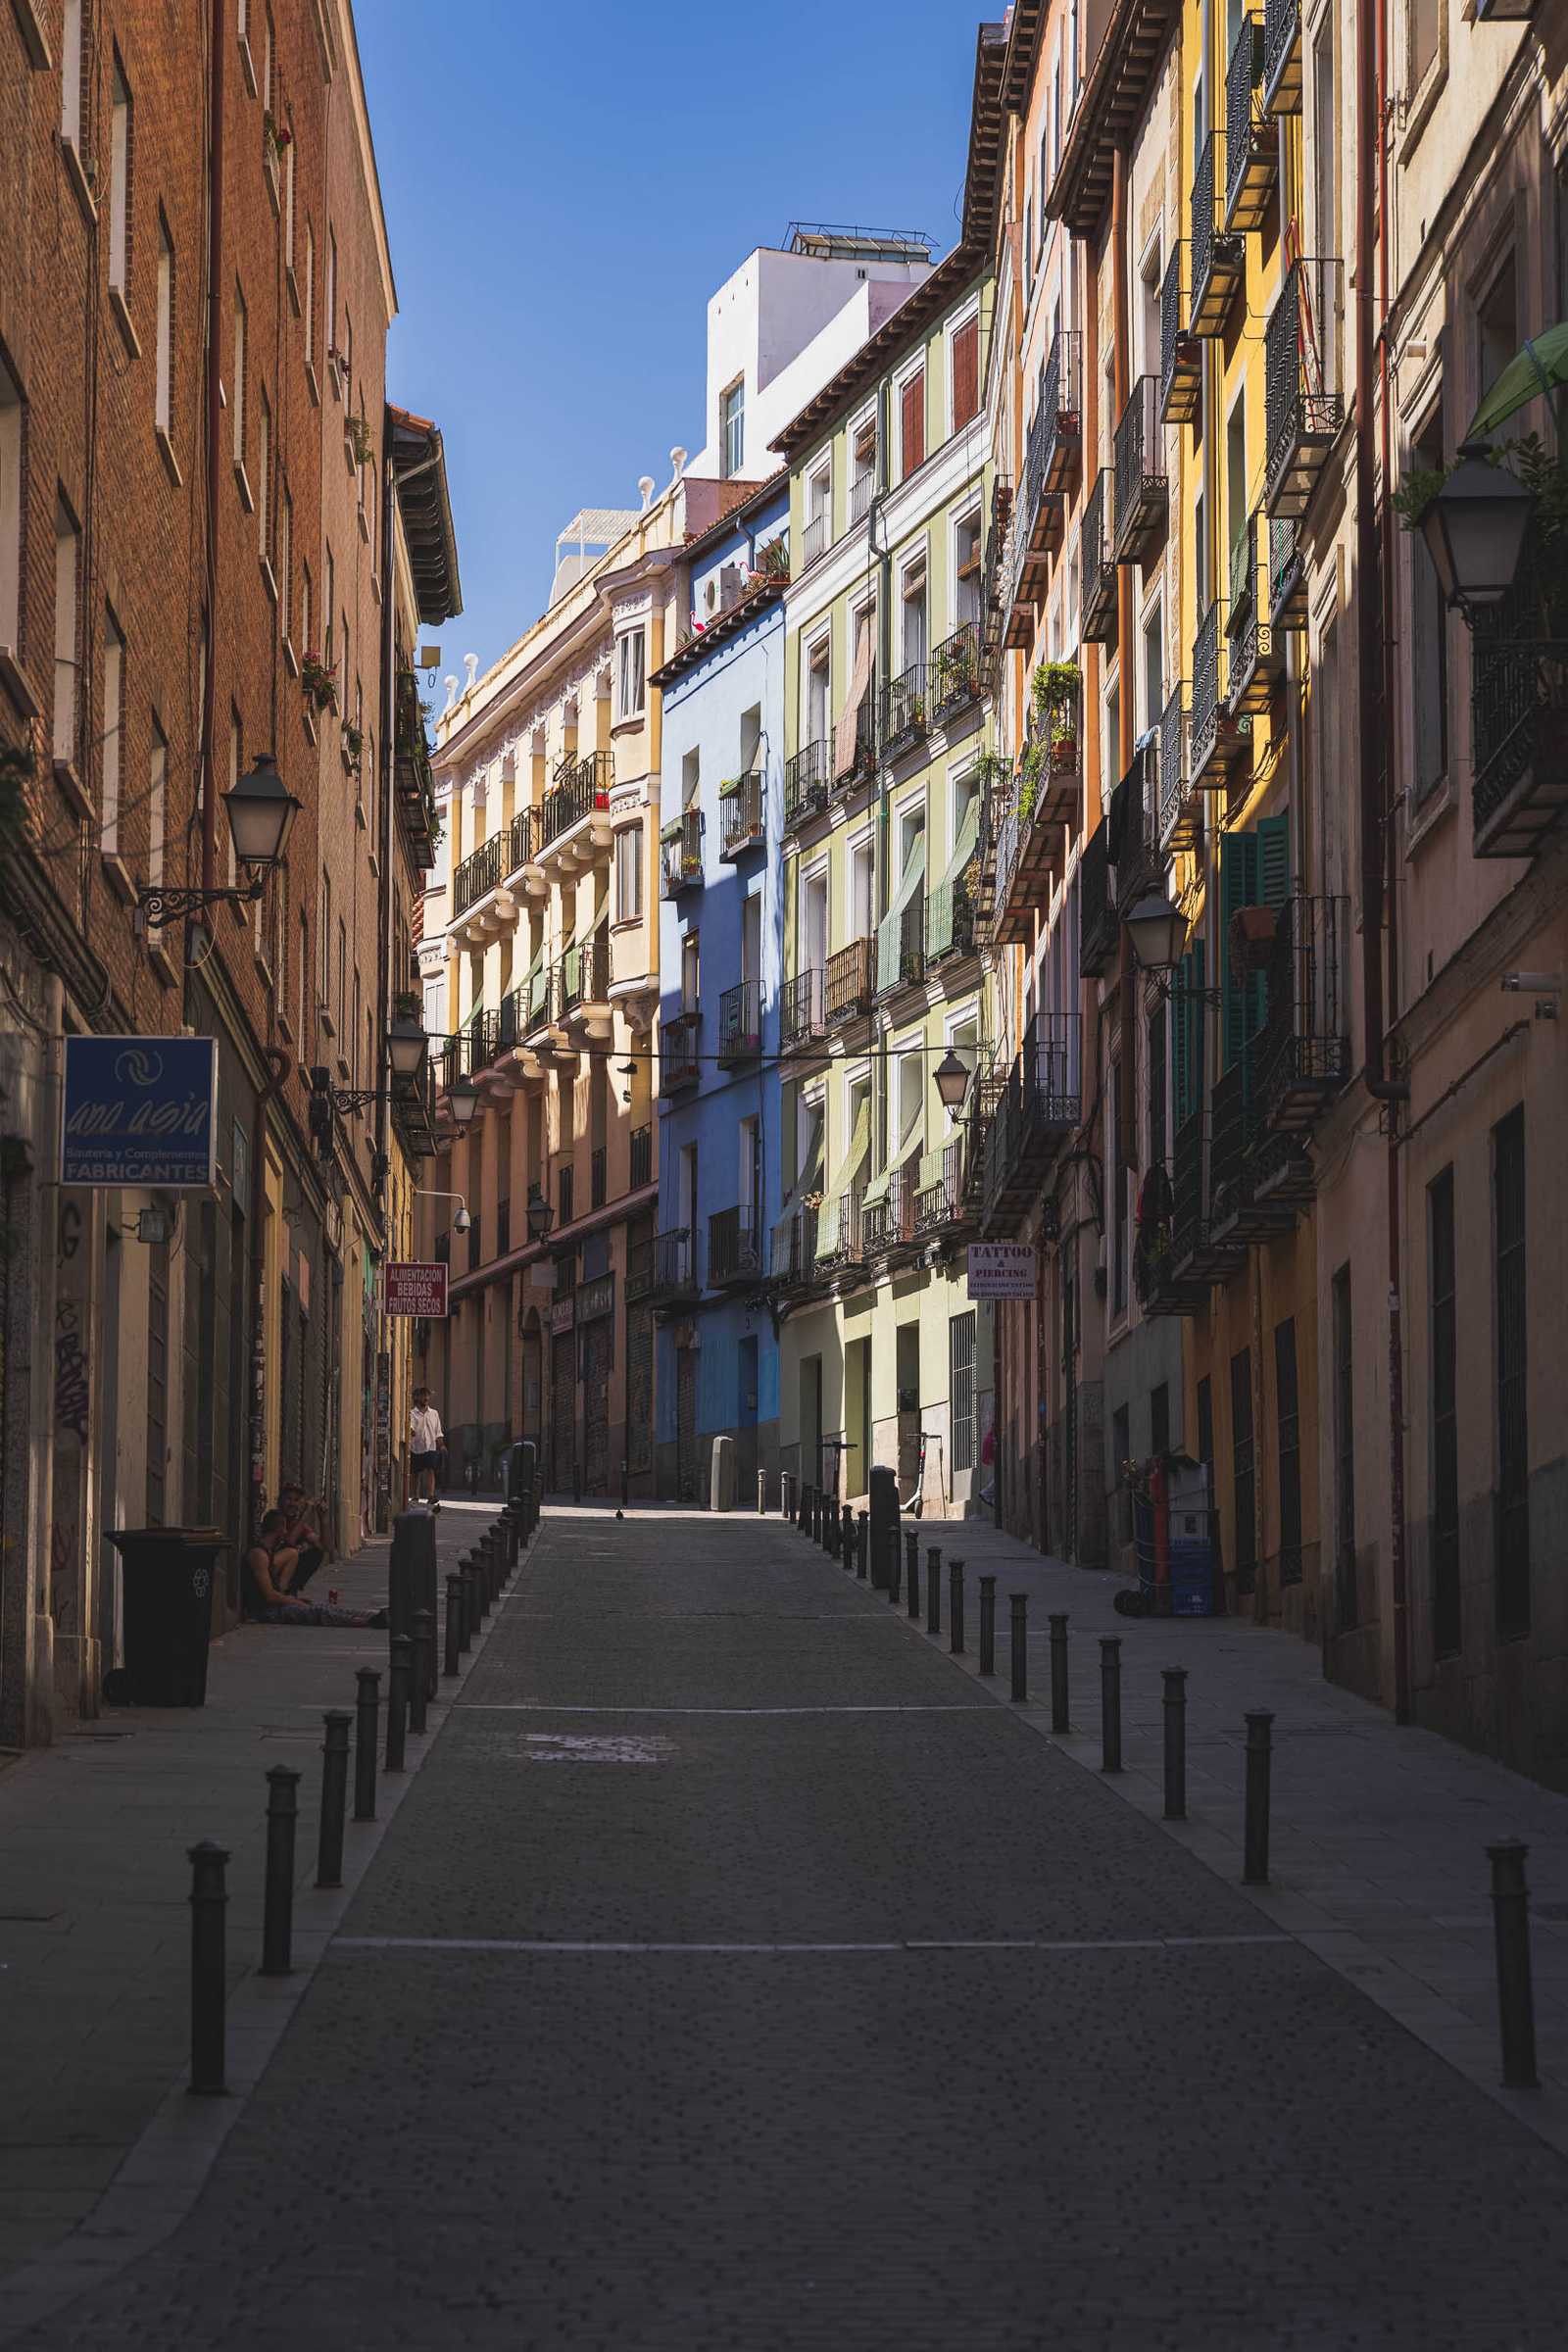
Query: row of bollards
[[850, 1542], [471, 1592]]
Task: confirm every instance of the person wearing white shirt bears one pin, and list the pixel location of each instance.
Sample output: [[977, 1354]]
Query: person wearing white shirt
[[426, 1437]]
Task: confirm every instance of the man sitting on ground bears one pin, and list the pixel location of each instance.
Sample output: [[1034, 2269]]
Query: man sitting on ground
[[302, 1534], [267, 1572]]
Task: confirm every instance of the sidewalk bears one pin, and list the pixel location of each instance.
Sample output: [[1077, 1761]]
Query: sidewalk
[[94, 1915], [1378, 1857]]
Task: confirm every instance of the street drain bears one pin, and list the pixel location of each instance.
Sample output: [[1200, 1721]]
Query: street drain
[[567, 1747]]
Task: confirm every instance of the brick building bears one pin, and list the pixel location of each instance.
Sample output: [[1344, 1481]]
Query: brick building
[[201, 547]]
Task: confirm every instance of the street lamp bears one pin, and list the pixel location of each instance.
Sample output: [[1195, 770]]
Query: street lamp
[[541, 1216], [1159, 932], [406, 1048], [952, 1082], [1474, 529], [463, 1099], [261, 809]]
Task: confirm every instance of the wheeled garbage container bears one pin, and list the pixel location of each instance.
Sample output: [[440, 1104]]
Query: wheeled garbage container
[[167, 1615]]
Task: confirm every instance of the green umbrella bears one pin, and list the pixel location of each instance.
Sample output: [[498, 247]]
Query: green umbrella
[[1541, 367]]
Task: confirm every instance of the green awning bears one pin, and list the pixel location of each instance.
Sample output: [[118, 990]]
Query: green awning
[[939, 914], [889, 929]]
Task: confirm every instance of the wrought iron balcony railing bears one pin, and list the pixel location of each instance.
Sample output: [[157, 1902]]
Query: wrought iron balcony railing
[[585, 973], [677, 1277], [793, 1247], [1252, 147], [993, 570], [477, 875], [641, 1170], [1181, 820], [581, 788], [806, 783], [1196, 1257], [1161, 1291], [816, 537], [1304, 405], [903, 713], [1037, 1109], [1218, 734], [839, 1228], [1282, 56], [734, 1252], [849, 990], [1519, 718], [1061, 408], [1287, 576], [939, 1202], [680, 854], [1142, 488], [1096, 564], [1180, 363], [1133, 838], [1302, 1056], [1097, 922], [678, 1058], [742, 823], [1256, 655], [1216, 252], [857, 759], [740, 1023], [639, 1269], [901, 948], [863, 489], [799, 1011], [953, 672]]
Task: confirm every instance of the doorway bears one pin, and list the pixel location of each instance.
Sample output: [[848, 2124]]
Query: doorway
[[562, 1410], [745, 1421], [906, 1369], [858, 1416], [686, 1465], [811, 1420], [598, 1356]]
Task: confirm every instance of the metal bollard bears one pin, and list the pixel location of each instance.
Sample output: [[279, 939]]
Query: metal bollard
[[862, 1545], [468, 1569], [423, 1640], [847, 1538], [1110, 1703], [1019, 1646], [987, 1624], [366, 1708], [514, 1535], [956, 1608], [1516, 2004], [454, 1624], [397, 1699], [933, 1589], [912, 1559], [209, 1973], [1254, 1858], [830, 1528], [334, 1797], [576, 1481], [913, 1580], [894, 1583], [625, 1485], [762, 1494], [1174, 1679], [486, 1558], [1060, 1720], [277, 1902]]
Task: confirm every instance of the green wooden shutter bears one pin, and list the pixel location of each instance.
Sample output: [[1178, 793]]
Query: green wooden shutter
[[1181, 1075], [1273, 882], [1237, 887]]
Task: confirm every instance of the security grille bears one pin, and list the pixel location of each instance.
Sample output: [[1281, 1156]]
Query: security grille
[[1513, 1493], [1445, 1619], [961, 1388]]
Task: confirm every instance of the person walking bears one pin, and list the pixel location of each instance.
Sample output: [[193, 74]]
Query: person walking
[[427, 1441]]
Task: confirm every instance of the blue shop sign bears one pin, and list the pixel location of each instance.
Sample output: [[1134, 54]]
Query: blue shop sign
[[140, 1110]]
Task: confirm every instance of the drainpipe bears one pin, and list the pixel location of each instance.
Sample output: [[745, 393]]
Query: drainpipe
[[1126, 971], [214, 261], [1374, 637]]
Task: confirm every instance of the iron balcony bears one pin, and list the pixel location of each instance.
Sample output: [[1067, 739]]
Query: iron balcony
[[1219, 735], [1160, 1290], [642, 1156], [1038, 1108], [1096, 565], [793, 1259], [1519, 726], [742, 822], [953, 672], [1303, 406], [1256, 655], [493, 862], [839, 1231], [1287, 576], [734, 1252], [806, 783], [1251, 146], [861, 760], [680, 854], [740, 1023], [674, 1278], [1181, 812], [1099, 925], [581, 787], [678, 1063], [1142, 488], [848, 988], [585, 973], [1139, 863], [1282, 56], [1237, 1214], [1216, 253], [799, 1012], [1047, 794], [1181, 357], [939, 1194], [1196, 1257], [904, 719], [1302, 1053]]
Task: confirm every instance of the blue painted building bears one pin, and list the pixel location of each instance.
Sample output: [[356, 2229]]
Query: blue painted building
[[720, 958]]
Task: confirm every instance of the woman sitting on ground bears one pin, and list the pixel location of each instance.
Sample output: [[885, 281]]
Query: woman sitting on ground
[[302, 1534], [268, 1570]]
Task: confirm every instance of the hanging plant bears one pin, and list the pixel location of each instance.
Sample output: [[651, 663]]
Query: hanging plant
[[1057, 686], [278, 134], [360, 441], [318, 682], [352, 749]]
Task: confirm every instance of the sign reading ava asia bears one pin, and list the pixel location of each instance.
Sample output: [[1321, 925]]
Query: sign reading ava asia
[[416, 1290], [1002, 1270], [140, 1110]]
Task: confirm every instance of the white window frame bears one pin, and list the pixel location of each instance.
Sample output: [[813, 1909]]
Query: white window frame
[[819, 645], [119, 121], [110, 761], [863, 842], [867, 417], [901, 383], [914, 571], [960, 319], [902, 814], [629, 860], [809, 876], [963, 773], [727, 471], [970, 512], [157, 805], [627, 679], [164, 358], [71, 75]]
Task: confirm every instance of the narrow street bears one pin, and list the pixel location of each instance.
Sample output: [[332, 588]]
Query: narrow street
[[739, 1973]]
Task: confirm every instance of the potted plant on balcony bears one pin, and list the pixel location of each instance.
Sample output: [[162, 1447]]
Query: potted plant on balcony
[[1030, 764], [278, 134], [352, 749], [1056, 687], [360, 441], [951, 674], [318, 682], [773, 561]]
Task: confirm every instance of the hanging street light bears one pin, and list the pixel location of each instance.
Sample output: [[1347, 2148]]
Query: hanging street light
[[464, 1100], [261, 810], [406, 1046], [541, 1216], [1474, 529], [952, 1082], [1159, 932]]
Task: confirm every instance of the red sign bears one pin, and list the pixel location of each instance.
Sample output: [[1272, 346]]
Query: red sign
[[413, 1289]]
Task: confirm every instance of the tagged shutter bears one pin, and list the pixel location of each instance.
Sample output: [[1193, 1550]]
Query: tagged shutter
[[911, 423], [966, 372]]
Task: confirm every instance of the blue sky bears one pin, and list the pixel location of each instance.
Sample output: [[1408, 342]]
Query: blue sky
[[565, 186]]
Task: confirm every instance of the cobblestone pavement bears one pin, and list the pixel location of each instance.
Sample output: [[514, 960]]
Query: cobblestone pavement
[[737, 1975]]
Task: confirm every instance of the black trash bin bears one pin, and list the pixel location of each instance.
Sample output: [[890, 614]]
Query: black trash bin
[[167, 1614]]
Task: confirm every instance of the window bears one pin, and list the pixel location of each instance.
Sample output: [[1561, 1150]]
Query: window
[[863, 466], [119, 183], [233, 779], [309, 315], [1429, 642], [162, 395], [1153, 680], [305, 610], [814, 728], [1442, 1338], [862, 918], [732, 429], [911, 1101], [332, 298], [288, 200], [302, 987], [911, 423], [285, 552], [157, 779], [691, 974], [1497, 327], [1287, 1419], [961, 1388], [911, 617], [1157, 1058], [1236, 481], [10, 512], [629, 874], [113, 719], [818, 515], [965, 373], [813, 942], [68, 557], [966, 572], [70, 74], [1423, 33], [629, 678], [328, 607], [691, 776], [1244, 1502], [264, 462], [1512, 1503], [238, 391], [1345, 1607], [343, 974]]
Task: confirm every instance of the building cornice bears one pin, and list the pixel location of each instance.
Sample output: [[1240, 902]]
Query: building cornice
[[1114, 101]]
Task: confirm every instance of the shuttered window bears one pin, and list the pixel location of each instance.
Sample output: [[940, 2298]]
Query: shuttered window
[[965, 373], [1243, 1474], [911, 425], [1288, 1421], [1254, 870], [1445, 1608], [1513, 1503]]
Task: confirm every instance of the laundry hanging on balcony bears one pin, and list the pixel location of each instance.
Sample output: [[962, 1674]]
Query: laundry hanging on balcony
[[942, 930], [832, 1236], [890, 931]]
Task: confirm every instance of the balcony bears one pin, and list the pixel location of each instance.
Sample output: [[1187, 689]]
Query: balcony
[[1256, 655], [1303, 406], [887, 1228], [641, 1171], [1196, 1258], [1181, 357], [1181, 812], [679, 1061], [585, 982], [1046, 796], [542, 1007], [1132, 835], [1142, 489], [840, 1240], [863, 489], [904, 719], [1038, 1108], [793, 1249], [860, 749], [1282, 56], [1519, 719], [1061, 406], [477, 875], [673, 1278], [993, 571], [1216, 254], [734, 1250], [1287, 577], [805, 784], [1096, 564], [740, 1023], [639, 1270], [1219, 736], [740, 819], [680, 854], [848, 988], [901, 949], [816, 537], [939, 1200], [1237, 1213], [1099, 926], [1251, 143], [580, 794], [954, 673], [1160, 1290], [800, 1013], [565, 1187], [1301, 1055]]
